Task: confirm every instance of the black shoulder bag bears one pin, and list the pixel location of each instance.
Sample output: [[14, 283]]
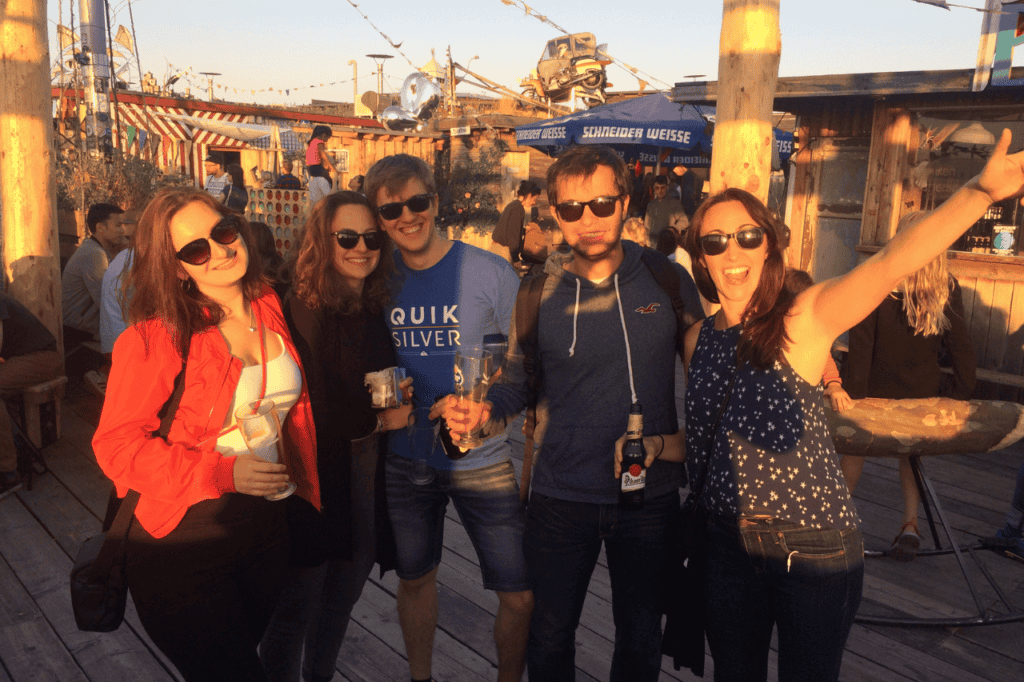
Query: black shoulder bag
[[99, 589]]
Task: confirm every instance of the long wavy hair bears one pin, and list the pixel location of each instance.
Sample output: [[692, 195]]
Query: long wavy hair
[[926, 292], [763, 339], [317, 283], [157, 287]]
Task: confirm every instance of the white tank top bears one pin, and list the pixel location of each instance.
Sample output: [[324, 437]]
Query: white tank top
[[284, 383]]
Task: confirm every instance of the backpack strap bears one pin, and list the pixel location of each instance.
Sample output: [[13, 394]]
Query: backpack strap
[[527, 312], [667, 278]]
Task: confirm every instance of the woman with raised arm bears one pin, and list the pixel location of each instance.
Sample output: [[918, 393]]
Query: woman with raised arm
[[207, 551], [336, 313], [783, 545]]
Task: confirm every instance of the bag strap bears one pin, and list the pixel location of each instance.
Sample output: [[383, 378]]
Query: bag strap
[[527, 312], [118, 531], [667, 278]]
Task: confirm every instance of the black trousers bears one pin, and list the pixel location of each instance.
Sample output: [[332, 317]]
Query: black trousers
[[206, 591]]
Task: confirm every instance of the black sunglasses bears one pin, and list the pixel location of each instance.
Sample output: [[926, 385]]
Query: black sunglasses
[[347, 239], [601, 207], [416, 204], [716, 244], [198, 252]]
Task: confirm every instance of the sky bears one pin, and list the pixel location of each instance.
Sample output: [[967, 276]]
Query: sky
[[280, 49]]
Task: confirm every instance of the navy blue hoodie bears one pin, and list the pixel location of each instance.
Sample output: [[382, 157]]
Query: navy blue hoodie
[[585, 391]]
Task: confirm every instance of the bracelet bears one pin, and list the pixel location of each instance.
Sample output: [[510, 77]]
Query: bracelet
[[380, 424], [833, 381], [662, 449]]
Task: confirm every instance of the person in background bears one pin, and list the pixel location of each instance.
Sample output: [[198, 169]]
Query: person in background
[[28, 356], [633, 229], [663, 210], [356, 184], [1011, 535], [112, 322], [235, 196], [512, 224], [271, 262], [286, 180], [447, 295], [206, 552], [216, 177], [896, 352], [782, 547], [82, 280], [318, 162], [336, 314]]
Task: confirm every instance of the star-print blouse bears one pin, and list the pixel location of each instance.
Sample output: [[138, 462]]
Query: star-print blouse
[[772, 453]]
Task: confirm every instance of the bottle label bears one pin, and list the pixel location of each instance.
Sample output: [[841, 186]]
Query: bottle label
[[634, 478]]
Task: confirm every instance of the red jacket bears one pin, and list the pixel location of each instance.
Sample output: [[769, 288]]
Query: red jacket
[[172, 475]]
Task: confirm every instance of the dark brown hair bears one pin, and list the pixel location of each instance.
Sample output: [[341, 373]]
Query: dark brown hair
[[315, 280], [582, 162], [153, 288], [393, 172], [764, 336]]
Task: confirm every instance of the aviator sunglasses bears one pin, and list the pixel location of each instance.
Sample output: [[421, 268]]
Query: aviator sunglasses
[[198, 252], [347, 239], [416, 204], [716, 244], [601, 207]]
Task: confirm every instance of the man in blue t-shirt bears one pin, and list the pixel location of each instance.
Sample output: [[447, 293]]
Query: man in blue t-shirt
[[446, 295]]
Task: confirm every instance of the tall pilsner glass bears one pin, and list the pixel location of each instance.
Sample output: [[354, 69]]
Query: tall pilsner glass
[[474, 367], [260, 427]]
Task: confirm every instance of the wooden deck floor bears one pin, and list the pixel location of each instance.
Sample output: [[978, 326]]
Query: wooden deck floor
[[41, 529]]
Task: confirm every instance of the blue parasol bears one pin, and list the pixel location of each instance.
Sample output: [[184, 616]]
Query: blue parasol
[[640, 129]]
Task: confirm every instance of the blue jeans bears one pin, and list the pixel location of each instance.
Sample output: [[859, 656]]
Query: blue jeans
[[765, 572], [487, 500], [562, 543], [316, 603]]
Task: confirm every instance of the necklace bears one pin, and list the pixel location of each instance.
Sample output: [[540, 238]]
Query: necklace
[[252, 319]]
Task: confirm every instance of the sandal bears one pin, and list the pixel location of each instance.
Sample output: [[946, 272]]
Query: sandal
[[904, 547]]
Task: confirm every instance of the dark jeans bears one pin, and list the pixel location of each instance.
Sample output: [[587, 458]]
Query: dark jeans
[[767, 572], [562, 543], [205, 592]]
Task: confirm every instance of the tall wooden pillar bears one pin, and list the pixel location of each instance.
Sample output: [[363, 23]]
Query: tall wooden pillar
[[31, 257], [748, 68]]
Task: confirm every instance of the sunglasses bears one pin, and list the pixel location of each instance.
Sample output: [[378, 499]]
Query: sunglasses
[[601, 207], [716, 244], [198, 252], [347, 239], [416, 204]]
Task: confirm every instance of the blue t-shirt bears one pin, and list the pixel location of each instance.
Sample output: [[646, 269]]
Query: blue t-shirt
[[463, 297]]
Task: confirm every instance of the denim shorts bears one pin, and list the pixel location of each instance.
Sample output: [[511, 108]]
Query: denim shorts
[[487, 501]]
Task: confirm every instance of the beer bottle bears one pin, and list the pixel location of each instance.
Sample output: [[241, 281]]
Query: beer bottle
[[634, 474]]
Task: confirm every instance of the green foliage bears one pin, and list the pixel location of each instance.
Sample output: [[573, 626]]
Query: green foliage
[[125, 181], [471, 194]]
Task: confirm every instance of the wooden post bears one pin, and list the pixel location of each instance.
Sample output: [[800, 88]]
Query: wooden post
[[27, 189], [748, 67]]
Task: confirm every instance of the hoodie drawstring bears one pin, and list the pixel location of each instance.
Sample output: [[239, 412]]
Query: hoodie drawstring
[[575, 315], [625, 334]]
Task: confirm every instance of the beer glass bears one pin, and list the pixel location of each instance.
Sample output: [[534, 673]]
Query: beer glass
[[422, 437], [473, 369], [260, 427]]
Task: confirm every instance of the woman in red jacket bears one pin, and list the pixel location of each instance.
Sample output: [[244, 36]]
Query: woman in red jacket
[[207, 551]]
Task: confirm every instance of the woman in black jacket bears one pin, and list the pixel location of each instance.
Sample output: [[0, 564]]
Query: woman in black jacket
[[896, 352], [336, 314]]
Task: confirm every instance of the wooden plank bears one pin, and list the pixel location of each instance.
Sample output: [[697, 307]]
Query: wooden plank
[[981, 315], [968, 286], [29, 648], [43, 568], [875, 184]]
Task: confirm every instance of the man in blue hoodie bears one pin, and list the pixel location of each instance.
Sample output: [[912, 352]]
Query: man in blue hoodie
[[606, 339]]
